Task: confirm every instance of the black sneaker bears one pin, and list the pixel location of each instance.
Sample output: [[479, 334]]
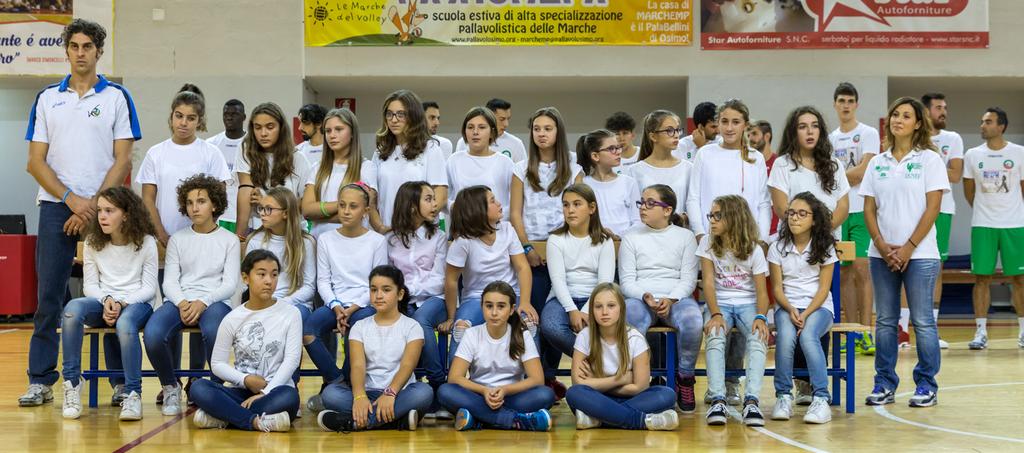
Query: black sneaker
[[717, 414], [752, 415], [684, 394], [880, 397], [333, 421]]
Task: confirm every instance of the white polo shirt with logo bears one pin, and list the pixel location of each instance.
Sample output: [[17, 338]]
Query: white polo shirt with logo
[[900, 191], [950, 147], [80, 132]]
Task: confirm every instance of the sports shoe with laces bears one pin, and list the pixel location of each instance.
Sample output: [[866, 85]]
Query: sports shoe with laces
[[684, 394], [131, 407], [866, 345], [880, 396], [202, 420], [36, 395], [329, 420], [980, 340], [923, 398], [279, 422], [666, 420], [172, 400], [819, 412], [717, 413], [532, 421], [783, 409], [72, 408], [584, 421], [752, 415]]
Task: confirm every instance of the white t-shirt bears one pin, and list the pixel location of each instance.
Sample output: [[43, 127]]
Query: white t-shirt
[[311, 153], [576, 266], [284, 292], [616, 202], [494, 171], [167, 164], [627, 162], [687, 149], [900, 190], [610, 355], [677, 177], [997, 194], [80, 132], [296, 181], [852, 147], [384, 346], [804, 179], [800, 281], [265, 342], [541, 211], [429, 166], [329, 191], [951, 147], [446, 146], [718, 171], [229, 148], [482, 264], [734, 279], [121, 272], [201, 266], [489, 362], [506, 143], [343, 266]]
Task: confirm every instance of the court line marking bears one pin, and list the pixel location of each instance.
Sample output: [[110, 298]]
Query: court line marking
[[154, 431], [774, 435], [9, 330], [881, 410]]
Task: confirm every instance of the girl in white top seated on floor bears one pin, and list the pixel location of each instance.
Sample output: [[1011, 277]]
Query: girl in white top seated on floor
[[283, 233], [382, 392], [801, 264], [342, 163], [657, 165], [505, 388], [611, 371], [599, 153], [265, 337], [119, 282], [479, 165]]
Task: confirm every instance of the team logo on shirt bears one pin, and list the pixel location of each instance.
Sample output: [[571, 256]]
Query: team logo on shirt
[[883, 171], [95, 112], [1008, 164], [507, 153], [945, 150], [911, 166], [856, 138]]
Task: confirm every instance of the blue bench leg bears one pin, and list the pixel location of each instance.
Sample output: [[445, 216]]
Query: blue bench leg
[[671, 363], [851, 372], [94, 364], [837, 380]]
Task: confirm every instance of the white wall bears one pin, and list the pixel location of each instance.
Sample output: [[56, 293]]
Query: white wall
[[16, 185]]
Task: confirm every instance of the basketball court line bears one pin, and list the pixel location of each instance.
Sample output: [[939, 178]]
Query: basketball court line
[[9, 330], [154, 431], [881, 410], [774, 435]]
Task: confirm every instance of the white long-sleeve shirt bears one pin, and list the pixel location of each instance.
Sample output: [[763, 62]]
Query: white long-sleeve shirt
[[576, 266], [201, 266], [718, 171], [422, 263], [302, 295], [121, 272], [343, 266], [266, 343], [661, 262]]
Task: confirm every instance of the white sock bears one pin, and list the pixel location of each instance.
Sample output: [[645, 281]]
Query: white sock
[[905, 319], [771, 317], [982, 324], [1020, 326], [935, 314]]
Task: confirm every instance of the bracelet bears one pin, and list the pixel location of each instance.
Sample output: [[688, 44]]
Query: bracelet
[[390, 392], [761, 317], [527, 247], [715, 314], [323, 209], [359, 397], [911, 241], [64, 199]]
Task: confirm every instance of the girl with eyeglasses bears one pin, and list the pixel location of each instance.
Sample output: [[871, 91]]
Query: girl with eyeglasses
[[657, 165], [658, 273], [801, 263], [729, 168], [735, 289], [599, 153]]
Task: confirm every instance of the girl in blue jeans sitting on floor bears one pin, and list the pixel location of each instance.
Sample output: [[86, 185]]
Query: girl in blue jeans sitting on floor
[[385, 349], [801, 264], [119, 282], [265, 336], [611, 371], [505, 388]]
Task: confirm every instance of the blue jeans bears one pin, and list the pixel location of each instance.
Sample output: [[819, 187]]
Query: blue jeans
[[539, 292], [164, 329], [430, 314], [685, 317], [621, 412], [741, 317], [557, 333], [919, 281], [87, 311], [225, 403], [455, 397], [414, 397], [816, 326], [322, 322], [55, 252]]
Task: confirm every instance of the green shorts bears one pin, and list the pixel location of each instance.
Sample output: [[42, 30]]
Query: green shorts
[[230, 226], [855, 230], [942, 228], [988, 243]]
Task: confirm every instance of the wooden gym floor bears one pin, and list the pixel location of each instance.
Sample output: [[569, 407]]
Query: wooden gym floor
[[978, 397]]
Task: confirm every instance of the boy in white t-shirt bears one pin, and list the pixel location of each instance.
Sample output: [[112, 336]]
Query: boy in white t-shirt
[[311, 122], [433, 112], [230, 144]]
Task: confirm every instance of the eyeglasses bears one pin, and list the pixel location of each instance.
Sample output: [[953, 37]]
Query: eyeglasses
[[715, 216], [399, 115], [651, 203], [614, 149], [268, 210], [671, 132], [800, 214]]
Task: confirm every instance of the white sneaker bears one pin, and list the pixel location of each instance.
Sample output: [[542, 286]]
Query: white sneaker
[[819, 412], [584, 421], [802, 392], [72, 400], [943, 344], [412, 420], [279, 422], [1020, 340], [202, 420], [980, 340], [662, 421], [36, 395], [172, 400], [131, 407], [783, 409]]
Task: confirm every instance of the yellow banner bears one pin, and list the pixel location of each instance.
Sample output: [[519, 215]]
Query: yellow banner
[[498, 22]]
